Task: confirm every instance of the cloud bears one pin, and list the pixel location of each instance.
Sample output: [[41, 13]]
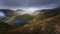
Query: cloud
[[29, 3]]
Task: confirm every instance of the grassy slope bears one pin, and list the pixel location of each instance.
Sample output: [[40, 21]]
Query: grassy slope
[[45, 26]]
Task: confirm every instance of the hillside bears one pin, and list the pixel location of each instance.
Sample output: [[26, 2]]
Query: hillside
[[44, 26], [48, 25], [4, 27]]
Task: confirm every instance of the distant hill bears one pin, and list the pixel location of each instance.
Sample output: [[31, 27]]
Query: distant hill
[[47, 13], [7, 12]]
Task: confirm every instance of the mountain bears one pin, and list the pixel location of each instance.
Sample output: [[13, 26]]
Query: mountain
[[8, 12], [50, 24], [47, 13]]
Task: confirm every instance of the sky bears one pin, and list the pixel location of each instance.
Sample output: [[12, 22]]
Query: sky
[[29, 5]]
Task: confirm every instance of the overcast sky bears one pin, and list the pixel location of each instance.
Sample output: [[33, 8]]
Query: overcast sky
[[28, 6], [29, 3]]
